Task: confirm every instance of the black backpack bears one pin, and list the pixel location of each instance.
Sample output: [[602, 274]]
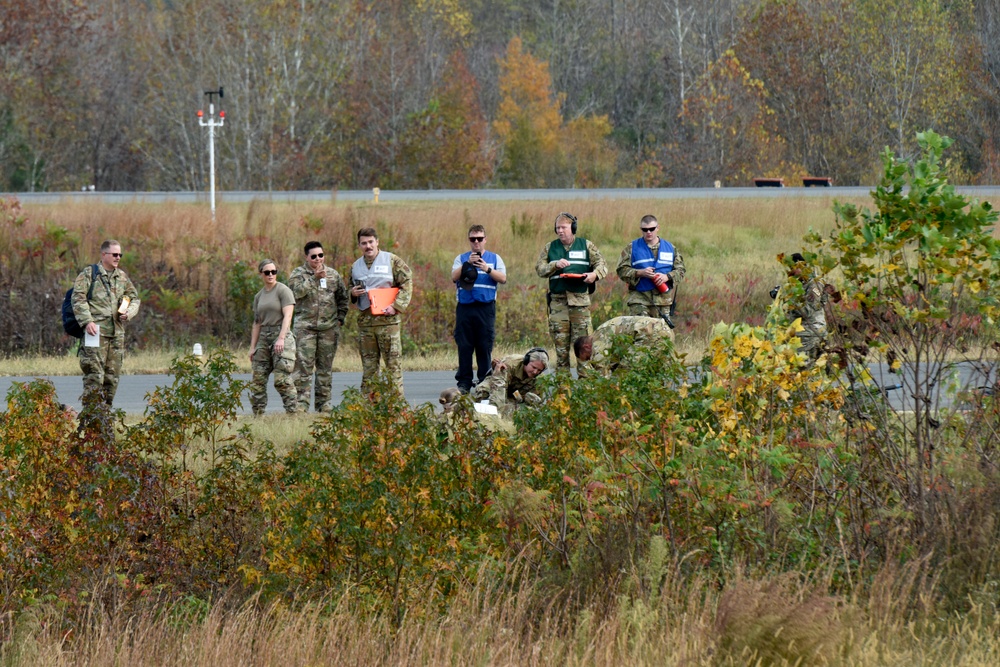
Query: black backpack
[[70, 325]]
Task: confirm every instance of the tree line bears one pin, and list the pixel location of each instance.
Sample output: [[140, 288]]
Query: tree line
[[499, 93]]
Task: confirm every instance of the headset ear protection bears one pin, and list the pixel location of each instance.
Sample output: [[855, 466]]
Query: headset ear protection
[[568, 216], [527, 355]]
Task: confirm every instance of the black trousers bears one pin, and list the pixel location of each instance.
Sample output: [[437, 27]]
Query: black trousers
[[474, 332]]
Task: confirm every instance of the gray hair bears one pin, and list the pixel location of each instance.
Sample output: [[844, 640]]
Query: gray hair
[[538, 355]]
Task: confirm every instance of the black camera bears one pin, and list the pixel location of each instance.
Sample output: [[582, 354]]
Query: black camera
[[774, 291]]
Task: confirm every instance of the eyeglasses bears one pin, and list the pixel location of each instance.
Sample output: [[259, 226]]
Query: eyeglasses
[[646, 230], [477, 239], [317, 256], [270, 272], [114, 254]]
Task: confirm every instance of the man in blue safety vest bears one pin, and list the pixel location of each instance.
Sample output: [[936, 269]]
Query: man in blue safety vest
[[476, 274]]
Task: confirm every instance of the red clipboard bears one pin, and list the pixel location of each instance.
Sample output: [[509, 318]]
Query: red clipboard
[[382, 298]]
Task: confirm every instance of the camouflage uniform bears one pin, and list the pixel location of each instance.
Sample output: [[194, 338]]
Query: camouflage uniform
[[102, 365], [651, 303], [569, 312], [379, 335], [266, 361], [319, 314], [644, 331], [499, 386], [811, 309]]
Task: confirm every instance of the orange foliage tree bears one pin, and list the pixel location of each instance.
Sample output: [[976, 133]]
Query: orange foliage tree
[[528, 120]]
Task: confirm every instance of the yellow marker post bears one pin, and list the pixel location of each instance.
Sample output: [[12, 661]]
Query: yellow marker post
[[375, 192]]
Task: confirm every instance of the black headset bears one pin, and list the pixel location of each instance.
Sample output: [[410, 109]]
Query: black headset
[[527, 355], [568, 216]]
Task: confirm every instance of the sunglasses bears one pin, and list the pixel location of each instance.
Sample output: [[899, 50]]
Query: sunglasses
[[477, 239], [270, 272], [114, 254], [319, 256], [646, 230]]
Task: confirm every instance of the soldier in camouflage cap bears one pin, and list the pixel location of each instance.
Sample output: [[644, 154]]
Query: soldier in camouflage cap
[[113, 301], [512, 381], [573, 266], [379, 333], [272, 344], [321, 302], [643, 331]]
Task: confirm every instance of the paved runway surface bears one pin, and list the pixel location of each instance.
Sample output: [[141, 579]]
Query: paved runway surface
[[425, 387], [419, 387]]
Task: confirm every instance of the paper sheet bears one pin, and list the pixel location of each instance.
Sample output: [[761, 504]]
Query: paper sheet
[[92, 341]]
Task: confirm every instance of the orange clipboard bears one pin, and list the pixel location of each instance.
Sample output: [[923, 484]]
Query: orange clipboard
[[382, 298]]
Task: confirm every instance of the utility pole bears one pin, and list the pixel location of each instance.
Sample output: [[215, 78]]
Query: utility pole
[[211, 124]]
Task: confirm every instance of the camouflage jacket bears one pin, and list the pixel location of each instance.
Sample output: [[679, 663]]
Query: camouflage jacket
[[810, 307], [508, 377], [544, 268], [402, 277], [317, 308], [644, 332], [109, 290], [627, 273]]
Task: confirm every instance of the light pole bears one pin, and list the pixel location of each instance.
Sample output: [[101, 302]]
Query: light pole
[[211, 124]]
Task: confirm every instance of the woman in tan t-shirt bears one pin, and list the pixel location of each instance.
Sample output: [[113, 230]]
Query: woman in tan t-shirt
[[272, 345]]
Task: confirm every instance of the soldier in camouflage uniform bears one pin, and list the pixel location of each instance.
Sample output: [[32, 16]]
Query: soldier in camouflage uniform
[[644, 332], [809, 307], [272, 343], [512, 381], [101, 314], [569, 297], [321, 302], [379, 333], [646, 265]]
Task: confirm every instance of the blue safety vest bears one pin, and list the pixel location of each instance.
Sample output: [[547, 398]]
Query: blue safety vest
[[642, 258], [485, 288]]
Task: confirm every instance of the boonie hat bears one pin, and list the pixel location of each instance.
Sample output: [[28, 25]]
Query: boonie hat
[[468, 277]]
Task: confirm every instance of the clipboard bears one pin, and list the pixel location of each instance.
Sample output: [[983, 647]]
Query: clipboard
[[381, 298]]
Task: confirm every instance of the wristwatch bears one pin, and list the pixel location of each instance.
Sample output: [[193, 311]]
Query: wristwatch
[[489, 270]]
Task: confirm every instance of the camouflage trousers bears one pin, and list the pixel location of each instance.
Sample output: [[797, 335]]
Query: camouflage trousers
[[812, 343], [651, 311], [266, 361], [315, 350], [566, 324], [101, 367], [381, 342]]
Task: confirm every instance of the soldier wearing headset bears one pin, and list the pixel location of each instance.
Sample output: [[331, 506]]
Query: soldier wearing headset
[[512, 381], [572, 265]]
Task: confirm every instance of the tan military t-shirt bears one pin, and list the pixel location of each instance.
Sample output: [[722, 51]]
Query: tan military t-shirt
[[267, 305]]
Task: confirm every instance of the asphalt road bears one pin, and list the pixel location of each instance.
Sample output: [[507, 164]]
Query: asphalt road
[[425, 386], [419, 387]]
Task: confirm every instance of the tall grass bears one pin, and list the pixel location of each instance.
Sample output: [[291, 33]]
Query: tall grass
[[782, 620]]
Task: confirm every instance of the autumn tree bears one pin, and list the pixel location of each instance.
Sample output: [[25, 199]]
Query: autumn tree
[[528, 120], [730, 133], [446, 144]]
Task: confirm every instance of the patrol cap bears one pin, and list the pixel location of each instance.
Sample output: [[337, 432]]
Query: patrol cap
[[468, 277]]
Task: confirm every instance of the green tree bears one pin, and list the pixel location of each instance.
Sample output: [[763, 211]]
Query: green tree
[[916, 277]]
